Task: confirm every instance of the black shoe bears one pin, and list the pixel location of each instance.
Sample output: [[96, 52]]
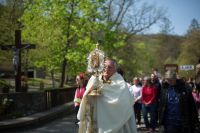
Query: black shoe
[[76, 122]]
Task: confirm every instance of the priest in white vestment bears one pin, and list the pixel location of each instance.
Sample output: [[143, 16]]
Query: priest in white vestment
[[112, 111]]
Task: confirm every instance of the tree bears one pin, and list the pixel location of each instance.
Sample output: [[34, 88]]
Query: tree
[[190, 52], [69, 28], [10, 12], [190, 47], [132, 15], [193, 26], [63, 28], [166, 26], [127, 18]]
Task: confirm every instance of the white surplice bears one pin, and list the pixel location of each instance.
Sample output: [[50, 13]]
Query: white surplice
[[113, 112]]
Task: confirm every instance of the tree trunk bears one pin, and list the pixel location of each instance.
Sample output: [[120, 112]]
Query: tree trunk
[[53, 79], [64, 65]]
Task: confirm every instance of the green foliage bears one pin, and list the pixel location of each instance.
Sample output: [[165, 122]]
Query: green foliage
[[190, 52], [66, 29], [142, 53], [167, 50], [69, 29], [4, 86], [15, 115], [5, 104], [194, 26], [10, 11], [34, 82]]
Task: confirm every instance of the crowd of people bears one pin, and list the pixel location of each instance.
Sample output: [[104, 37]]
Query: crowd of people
[[171, 102], [164, 101]]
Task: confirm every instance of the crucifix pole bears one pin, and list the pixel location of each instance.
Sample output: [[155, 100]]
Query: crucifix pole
[[18, 54], [17, 57]]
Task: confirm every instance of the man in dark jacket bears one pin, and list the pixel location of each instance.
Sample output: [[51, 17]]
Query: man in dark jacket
[[177, 111], [155, 81]]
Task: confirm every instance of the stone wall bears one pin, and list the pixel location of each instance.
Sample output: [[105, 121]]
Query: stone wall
[[27, 103], [23, 104]]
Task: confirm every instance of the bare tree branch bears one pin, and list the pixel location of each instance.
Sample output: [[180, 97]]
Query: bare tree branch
[[109, 9], [126, 14]]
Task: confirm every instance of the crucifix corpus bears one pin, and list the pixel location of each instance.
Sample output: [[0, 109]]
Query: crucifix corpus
[[17, 57]]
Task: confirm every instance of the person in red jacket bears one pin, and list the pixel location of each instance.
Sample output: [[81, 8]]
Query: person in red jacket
[[149, 93], [81, 84]]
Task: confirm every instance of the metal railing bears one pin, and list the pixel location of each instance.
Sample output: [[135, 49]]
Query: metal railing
[[56, 97]]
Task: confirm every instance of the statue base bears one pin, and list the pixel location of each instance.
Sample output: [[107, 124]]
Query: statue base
[[96, 92]]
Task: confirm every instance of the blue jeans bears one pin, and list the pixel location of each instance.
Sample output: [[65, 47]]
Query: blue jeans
[[149, 109]]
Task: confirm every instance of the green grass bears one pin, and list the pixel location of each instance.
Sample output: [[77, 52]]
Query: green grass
[[36, 83]]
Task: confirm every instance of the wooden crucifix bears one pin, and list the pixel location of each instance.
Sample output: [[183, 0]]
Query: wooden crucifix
[[17, 57]]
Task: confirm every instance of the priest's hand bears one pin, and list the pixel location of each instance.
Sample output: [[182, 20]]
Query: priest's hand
[[95, 83]]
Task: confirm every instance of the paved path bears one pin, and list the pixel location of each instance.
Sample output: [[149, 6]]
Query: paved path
[[62, 125]]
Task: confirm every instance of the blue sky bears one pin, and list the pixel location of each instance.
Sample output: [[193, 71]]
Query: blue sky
[[180, 13]]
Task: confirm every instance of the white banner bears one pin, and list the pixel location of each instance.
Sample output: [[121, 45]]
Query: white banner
[[186, 67]]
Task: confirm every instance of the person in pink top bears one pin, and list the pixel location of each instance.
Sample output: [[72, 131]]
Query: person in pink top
[[149, 93], [196, 97], [81, 83]]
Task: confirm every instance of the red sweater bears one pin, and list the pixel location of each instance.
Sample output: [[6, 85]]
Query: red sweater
[[78, 96], [149, 95]]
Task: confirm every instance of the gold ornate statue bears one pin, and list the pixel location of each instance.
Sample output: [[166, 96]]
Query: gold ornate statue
[[96, 65], [95, 60]]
